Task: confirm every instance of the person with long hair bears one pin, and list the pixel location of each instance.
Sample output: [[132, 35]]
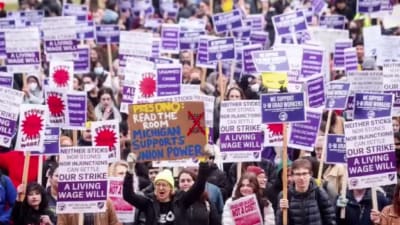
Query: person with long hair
[[390, 214], [33, 209], [248, 185], [106, 109]]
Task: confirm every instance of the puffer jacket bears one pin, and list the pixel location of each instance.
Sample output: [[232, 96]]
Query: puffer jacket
[[312, 207]]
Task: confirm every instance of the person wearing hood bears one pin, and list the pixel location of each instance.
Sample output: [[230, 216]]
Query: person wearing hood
[[307, 203], [33, 90]]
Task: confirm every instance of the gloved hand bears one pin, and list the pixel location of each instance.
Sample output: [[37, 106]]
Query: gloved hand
[[342, 202]]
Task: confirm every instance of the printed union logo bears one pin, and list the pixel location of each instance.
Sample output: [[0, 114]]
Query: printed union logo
[[224, 156], [61, 206], [272, 67], [256, 155], [283, 116], [6, 140], [219, 56], [371, 114], [100, 205], [391, 176], [353, 182], [331, 102]]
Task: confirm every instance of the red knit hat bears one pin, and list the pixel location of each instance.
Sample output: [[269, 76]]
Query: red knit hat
[[255, 169], [2, 5]]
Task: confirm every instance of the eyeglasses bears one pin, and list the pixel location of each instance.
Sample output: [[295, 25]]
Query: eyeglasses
[[301, 174]]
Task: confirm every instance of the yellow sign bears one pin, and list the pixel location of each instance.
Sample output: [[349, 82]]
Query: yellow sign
[[274, 80]]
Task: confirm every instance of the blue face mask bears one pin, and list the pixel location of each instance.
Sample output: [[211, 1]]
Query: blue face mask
[[98, 70]]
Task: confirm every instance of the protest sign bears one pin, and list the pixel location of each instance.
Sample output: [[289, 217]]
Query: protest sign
[[240, 132], [6, 79], [57, 105], [303, 135], [81, 12], [308, 13], [338, 56], [106, 133], [4, 25], [10, 101], [82, 60], [312, 61], [368, 6], [294, 54], [169, 78], [273, 135], [315, 88], [391, 84], [123, 209], [291, 28], [387, 50], [274, 80], [202, 53], [319, 6], [260, 37], [245, 211], [370, 153], [335, 149], [190, 89], [134, 67], [107, 34], [365, 81], [170, 38], [77, 109], [327, 37], [145, 81], [282, 108], [225, 22], [86, 31], [167, 130], [247, 59], [337, 94], [257, 22], [51, 140], [368, 105], [244, 32], [350, 59], [27, 18], [333, 21], [33, 119], [61, 75], [135, 43], [221, 49], [82, 180], [372, 37], [269, 60], [189, 40], [128, 95], [155, 52], [23, 50]]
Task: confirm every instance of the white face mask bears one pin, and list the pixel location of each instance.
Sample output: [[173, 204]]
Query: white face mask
[[99, 70], [33, 86], [88, 87], [255, 87]]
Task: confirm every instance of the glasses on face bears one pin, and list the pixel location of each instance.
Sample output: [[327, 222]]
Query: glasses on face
[[161, 185], [301, 174]]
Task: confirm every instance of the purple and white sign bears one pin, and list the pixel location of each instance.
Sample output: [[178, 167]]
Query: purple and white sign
[[365, 81], [240, 131], [257, 22], [189, 40], [291, 27], [303, 135], [368, 6], [333, 21], [247, 59], [370, 153], [169, 79], [81, 12], [335, 149], [82, 182], [4, 24], [338, 56], [350, 59], [337, 94], [85, 31], [10, 101], [318, 6], [368, 105], [77, 108], [244, 32], [170, 38], [283, 108], [221, 49], [128, 95], [107, 34], [51, 141], [260, 37], [266, 61], [156, 47], [202, 53], [315, 88], [391, 84], [6, 80], [224, 22], [82, 60], [312, 62], [61, 49], [27, 18]]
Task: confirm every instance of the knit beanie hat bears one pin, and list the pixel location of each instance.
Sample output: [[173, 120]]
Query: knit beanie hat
[[166, 175], [255, 169]]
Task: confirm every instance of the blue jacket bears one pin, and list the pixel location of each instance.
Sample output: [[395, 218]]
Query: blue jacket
[[8, 194], [215, 196]]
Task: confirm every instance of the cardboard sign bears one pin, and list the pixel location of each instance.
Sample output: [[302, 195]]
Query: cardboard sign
[[372, 38], [368, 105], [257, 21], [106, 133], [86, 31], [128, 95], [167, 130], [240, 132], [10, 102], [245, 211], [82, 60], [136, 43], [77, 109], [282, 108], [368, 6], [221, 49], [202, 53], [391, 84], [365, 81], [32, 125], [81, 12], [291, 28], [335, 149], [370, 153], [82, 180], [265, 61], [61, 75], [224, 22], [107, 34], [312, 61], [303, 135], [247, 59], [337, 94], [260, 37]]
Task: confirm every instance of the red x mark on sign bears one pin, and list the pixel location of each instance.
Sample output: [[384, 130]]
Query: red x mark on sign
[[196, 123]]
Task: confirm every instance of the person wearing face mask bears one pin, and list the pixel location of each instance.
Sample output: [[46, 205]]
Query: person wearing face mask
[[33, 90], [90, 86]]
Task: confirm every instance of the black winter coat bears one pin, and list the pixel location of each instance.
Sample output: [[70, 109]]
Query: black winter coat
[[218, 178], [22, 215], [309, 208]]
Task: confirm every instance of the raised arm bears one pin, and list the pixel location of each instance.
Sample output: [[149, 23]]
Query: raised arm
[[194, 193], [140, 202]]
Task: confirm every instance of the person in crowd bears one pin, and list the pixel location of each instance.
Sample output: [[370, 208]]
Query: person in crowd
[[52, 189], [390, 215], [8, 194], [85, 137], [395, 124], [218, 177], [336, 126], [277, 186], [78, 83], [261, 178], [152, 172], [106, 109], [307, 203], [118, 169], [248, 185], [33, 209], [203, 211], [33, 90], [358, 205], [90, 82], [165, 207]]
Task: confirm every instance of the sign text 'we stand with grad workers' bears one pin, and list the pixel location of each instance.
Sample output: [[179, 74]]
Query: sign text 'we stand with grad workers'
[[370, 152], [240, 131], [167, 130], [82, 181], [282, 107]]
